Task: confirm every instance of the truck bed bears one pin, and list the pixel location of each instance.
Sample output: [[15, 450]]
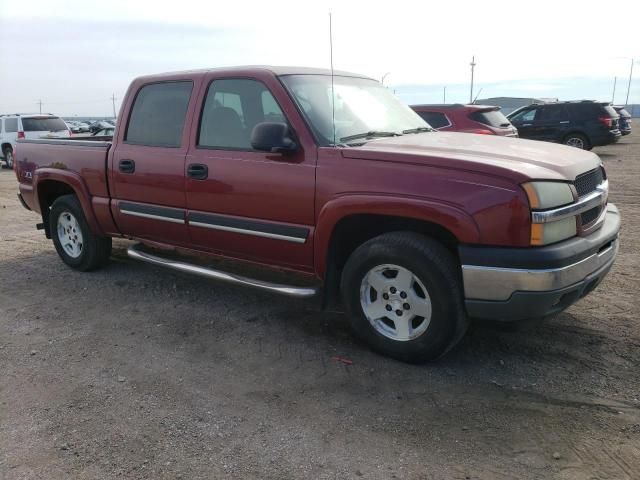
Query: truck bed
[[82, 158]]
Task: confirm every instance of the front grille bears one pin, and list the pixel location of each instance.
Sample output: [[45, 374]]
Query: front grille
[[587, 182], [590, 215]]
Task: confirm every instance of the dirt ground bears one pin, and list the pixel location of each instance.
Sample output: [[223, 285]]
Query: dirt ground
[[137, 372]]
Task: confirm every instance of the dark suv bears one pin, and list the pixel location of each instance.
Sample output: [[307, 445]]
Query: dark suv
[[625, 120], [582, 124]]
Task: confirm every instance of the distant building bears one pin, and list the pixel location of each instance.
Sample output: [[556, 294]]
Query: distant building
[[509, 104]]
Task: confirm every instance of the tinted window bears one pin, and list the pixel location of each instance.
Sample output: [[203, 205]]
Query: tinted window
[[435, 119], [623, 113], [493, 118], [43, 124], [554, 113], [231, 110], [525, 116], [157, 116], [11, 125]]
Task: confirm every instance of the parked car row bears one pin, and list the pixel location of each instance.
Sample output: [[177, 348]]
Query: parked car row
[[582, 124]]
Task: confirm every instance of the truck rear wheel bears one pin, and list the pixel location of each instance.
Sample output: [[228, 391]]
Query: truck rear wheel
[[403, 296], [74, 242], [8, 156]]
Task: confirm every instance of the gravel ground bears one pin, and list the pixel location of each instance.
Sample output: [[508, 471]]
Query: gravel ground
[[137, 372]]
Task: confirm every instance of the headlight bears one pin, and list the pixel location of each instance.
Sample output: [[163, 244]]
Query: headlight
[[548, 195], [552, 232], [543, 195]]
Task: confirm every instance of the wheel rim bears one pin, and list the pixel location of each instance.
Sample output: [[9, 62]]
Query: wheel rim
[[9, 158], [575, 142], [70, 235], [395, 302]]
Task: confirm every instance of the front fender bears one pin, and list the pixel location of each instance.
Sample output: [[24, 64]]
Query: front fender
[[73, 180], [452, 218]]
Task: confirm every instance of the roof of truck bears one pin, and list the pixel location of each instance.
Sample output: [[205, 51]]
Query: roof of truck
[[276, 70]]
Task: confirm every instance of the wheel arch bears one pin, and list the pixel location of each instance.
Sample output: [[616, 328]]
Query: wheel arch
[[50, 184], [342, 229]]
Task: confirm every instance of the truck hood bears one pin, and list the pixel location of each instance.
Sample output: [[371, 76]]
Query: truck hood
[[514, 158]]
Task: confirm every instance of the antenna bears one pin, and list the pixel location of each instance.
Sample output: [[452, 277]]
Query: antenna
[[333, 95], [113, 100], [474, 100]]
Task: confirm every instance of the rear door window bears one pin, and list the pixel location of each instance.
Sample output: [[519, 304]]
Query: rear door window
[[554, 113], [10, 125], [43, 124], [492, 118], [435, 119], [158, 114]]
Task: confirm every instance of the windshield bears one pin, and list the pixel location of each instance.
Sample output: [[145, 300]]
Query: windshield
[[363, 108], [43, 124]]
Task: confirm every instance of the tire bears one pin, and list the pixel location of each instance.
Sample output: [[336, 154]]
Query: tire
[[8, 157], [577, 140], [74, 242], [427, 316]]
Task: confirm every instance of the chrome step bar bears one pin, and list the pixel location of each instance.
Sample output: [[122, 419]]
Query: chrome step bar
[[300, 292]]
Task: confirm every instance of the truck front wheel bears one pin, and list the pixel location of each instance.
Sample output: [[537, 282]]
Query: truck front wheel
[[403, 296], [74, 242]]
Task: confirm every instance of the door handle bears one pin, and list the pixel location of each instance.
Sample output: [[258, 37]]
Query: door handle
[[527, 124], [127, 166], [198, 171], [565, 122]]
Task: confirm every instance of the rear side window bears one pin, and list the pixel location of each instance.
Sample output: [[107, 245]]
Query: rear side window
[[231, 110], [610, 110], [11, 125], [554, 113], [43, 124], [158, 114], [624, 113], [493, 118], [435, 119]]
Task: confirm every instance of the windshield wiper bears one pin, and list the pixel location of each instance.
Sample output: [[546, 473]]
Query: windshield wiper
[[419, 130], [370, 135]]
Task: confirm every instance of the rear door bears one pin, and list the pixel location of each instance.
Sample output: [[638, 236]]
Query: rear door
[[552, 122], [147, 162], [241, 202]]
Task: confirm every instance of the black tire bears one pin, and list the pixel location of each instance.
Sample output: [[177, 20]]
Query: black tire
[[7, 153], [435, 267], [577, 140], [94, 250]]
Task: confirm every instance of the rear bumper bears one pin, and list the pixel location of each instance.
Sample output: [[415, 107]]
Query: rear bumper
[[516, 284], [611, 136]]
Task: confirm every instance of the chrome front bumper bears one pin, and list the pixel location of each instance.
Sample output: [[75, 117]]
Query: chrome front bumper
[[576, 267]]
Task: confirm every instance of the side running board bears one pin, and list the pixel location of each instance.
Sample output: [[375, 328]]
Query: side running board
[[303, 292]]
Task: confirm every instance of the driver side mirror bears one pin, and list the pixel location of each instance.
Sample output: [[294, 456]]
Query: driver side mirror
[[273, 137]]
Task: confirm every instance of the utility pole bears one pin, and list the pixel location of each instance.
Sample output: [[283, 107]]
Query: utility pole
[[613, 97], [113, 100], [39, 102], [444, 94], [473, 66], [626, 102]]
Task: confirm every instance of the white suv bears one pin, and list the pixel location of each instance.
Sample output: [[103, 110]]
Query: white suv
[[19, 125]]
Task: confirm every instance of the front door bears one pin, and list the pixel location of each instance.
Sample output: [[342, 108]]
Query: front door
[[524, 121], [147, 165], [241, 202]]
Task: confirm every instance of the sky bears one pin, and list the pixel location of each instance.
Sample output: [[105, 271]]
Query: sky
[[73, 56]]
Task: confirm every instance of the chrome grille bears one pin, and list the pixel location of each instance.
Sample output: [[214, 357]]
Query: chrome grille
[[587, 182], [590, 215]]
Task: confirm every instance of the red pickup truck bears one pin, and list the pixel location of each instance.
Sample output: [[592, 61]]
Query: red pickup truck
[[333, 180]]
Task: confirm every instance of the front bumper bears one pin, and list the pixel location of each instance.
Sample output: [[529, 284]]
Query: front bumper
[[516, 283]]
